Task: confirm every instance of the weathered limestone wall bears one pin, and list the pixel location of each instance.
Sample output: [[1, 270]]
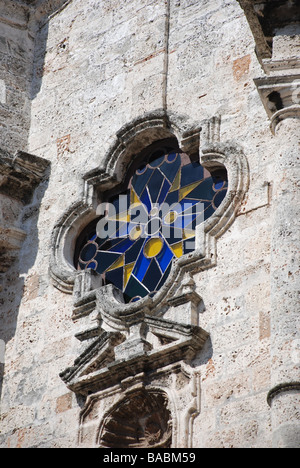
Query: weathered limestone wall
[[285, 287], [98, 66], [16, 48]]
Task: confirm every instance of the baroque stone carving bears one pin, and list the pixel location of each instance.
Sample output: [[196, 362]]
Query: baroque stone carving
[[149, 337], [153, 410], [142, 419], [129, 142]]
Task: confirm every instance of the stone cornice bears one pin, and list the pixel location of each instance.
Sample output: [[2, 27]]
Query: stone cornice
[[20, 175], [112, 357], [263, 48], [267, 19]]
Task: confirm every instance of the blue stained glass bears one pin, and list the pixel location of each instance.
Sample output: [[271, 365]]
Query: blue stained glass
[[209, 211], [164, 277], [174, 235], [187, 204], [136, 299], [121, 203], [133, 253], [189, 245], [140, 181], [89, 252], [191, 173], [170, 170], [141, 266], [116, 277], [155, 185], [157, 162], [122, 231], [145, 199], [219, 185], [164, 192], [218, 198], [172, 198], [172, 195], [172, 156], [123, 246], [110, 244], [152, 276], [105, 260], [164, 257], [204, 191], [134, 289]]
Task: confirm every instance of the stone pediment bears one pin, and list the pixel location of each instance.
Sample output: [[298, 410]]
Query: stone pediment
[[112, 357]]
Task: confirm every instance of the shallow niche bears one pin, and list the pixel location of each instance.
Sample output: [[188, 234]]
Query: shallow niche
[[141, 420]]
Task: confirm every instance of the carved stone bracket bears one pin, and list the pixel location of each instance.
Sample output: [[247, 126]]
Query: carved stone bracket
[[269, 21], [19, 176], [280, 96]]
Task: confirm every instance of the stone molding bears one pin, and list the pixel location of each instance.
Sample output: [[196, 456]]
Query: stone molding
[[263, 49], [130, 140], [19, 176], [292, 112], [113, 356], [137, 135], [64, 234]]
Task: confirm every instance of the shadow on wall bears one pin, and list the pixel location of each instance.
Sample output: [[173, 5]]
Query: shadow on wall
[[12, 281], [38, 65], [30, 76], [42, 15]]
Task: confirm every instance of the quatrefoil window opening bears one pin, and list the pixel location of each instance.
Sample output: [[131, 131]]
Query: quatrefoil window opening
[[151, 223]]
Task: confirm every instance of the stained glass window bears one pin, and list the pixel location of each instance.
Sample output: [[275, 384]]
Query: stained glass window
[[151, 223]]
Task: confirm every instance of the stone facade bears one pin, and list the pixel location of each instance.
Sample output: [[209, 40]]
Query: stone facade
[[213, 361]]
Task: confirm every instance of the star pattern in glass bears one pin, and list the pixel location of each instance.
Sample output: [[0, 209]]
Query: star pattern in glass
[[152, 223]]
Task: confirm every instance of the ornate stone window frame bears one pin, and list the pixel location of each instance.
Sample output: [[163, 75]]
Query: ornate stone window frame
[[124, 341], [129, 141]]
